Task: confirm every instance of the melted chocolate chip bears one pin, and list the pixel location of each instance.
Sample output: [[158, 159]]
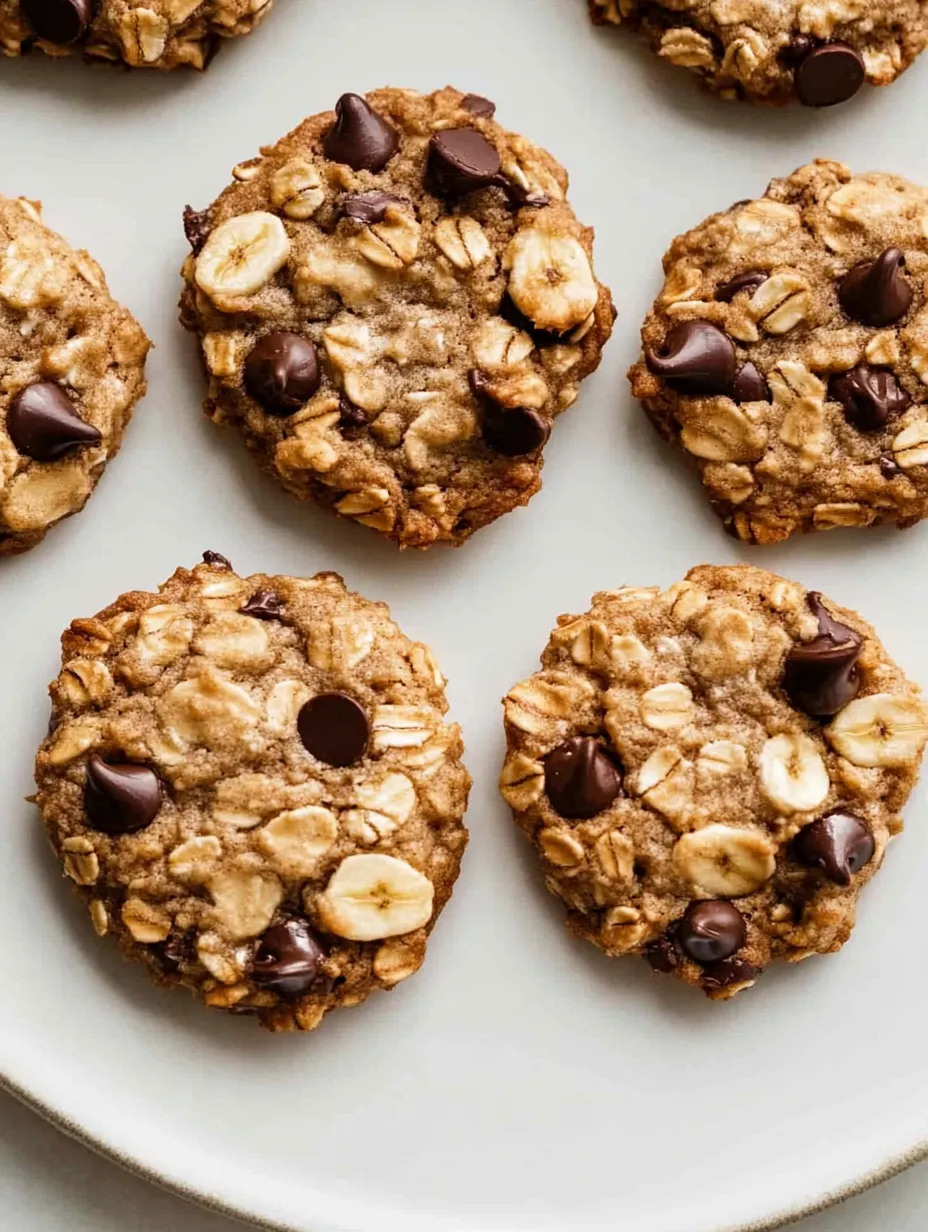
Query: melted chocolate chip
[[710, 931], [287, 959], [477, 105], [120, 798], [216, 560], [352, 421], [461, 160], [749, 385], [359, 137], [581, 778], [366, 207], [263, 605], [829, 74], [196, 227], [877, 292], [515, 431], [869, 396], [889, 468], [282, 372], [727, 972], [334, 728], [839, 844], [663, 955], [750, 280], [58, 21], [822, 676], [43, 423], [697, 358], [796, 50]]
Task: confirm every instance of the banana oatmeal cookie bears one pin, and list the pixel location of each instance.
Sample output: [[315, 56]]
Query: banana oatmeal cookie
[[73, 368], [712, 772], [149, 34], [251, 782], [394, 303], [817, 51], [788, 354]]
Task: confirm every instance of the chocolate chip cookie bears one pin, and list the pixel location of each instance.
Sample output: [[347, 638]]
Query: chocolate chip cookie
[[394, 304], [73, 368], [712, 772], [252, 784], [819, 53], [788, 354], [156, 34]]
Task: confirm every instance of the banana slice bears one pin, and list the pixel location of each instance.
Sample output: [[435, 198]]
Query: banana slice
[[241, 255], [724, 862], [792, 774], [880, 730], [550, 279], [372, 896]]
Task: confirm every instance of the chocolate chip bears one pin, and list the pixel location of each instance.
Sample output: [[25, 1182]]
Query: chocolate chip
[[179, 950], [796, 50], [282, 372], [710, 931], [663, 955], [524, 198], [120, 798], [869, 396], [217, 560], [196, 227], [889, 468], [58, 21], [749, 385], [359, 137], [877, 292], [287, 959], [828, 75], [352, 421], [334, 728], [461, 160], [367, 207], [515, 431], [728, 971], [541, 337], [263, 605], [477, 105], [43, 423], [822, 676], [839, 844], [750, 280], [581, 777], [697, 358]]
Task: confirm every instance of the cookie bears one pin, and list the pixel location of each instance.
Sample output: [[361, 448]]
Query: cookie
[[788, 354], [73, 364], [252, 784], [394, 304], [819, 53], [712, 772], [160, 34]]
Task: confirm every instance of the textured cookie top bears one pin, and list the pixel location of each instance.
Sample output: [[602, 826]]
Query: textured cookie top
[[817, 51], [153, 34], [394, 303], [788, 354], [72, 364], [252, 782], [712, 772]]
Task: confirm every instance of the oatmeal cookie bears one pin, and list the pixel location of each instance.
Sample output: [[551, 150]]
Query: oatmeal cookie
[[251, 782], [73, 368], [817, 51], [394, 303], [153, 34], [711, 773], [788, 354]]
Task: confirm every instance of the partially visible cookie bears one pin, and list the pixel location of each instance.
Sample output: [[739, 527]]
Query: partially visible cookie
[[711, 773], [72, 367], [788, 354], [156, 34], [394, 304], [819, 53], [251, 781]]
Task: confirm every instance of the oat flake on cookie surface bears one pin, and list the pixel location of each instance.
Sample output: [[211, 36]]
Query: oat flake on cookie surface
[[711, 773], [252, 784], [788, 354], [146, 34], [394, 303], [72, 368]]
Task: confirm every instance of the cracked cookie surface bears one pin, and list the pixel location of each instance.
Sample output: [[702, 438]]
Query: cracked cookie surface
[[252, 784], [817, 51], [73, 368], [153, 34], [394, 303], [788, 354], [712, 772]]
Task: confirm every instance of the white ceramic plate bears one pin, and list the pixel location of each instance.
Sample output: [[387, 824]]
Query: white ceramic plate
[[521, 1082]]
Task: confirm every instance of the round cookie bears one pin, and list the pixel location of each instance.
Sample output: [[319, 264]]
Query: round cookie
[[820, 54], [394, 303], [73, 363], [251, 782], [788, 354], [158, 34], [711, 773]]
